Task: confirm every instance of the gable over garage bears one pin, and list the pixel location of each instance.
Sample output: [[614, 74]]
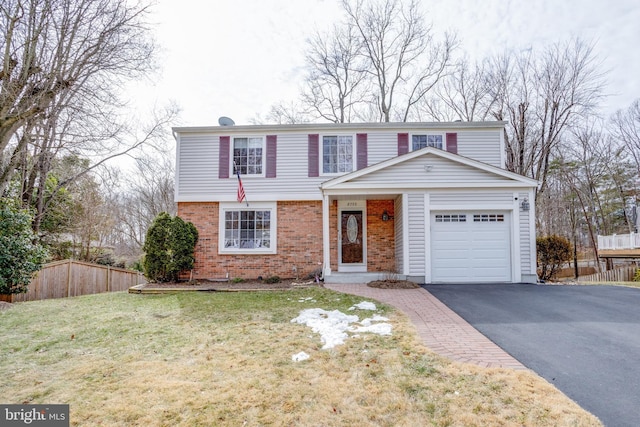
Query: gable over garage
[[456, 220]]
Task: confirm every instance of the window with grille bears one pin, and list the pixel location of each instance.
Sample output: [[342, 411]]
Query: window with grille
[[247, 229], [488, 218], [451, 218], [422, 141], [337, 154], [248, 155]]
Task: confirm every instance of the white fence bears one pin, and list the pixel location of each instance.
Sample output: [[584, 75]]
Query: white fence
[[619, 241]]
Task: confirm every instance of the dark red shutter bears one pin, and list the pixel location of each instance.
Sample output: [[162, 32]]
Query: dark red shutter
[[361, 150], [403, 143], [272, 160], [223, 159], [452, 143], [314, 153]]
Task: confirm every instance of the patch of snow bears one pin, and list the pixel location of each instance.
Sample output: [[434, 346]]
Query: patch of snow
[[378, 328], [334, 326], [307, 299], [364, 305], [376, 318], [331, 325], [300, 357]]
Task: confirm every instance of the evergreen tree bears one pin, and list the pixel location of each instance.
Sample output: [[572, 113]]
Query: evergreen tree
[[169, 248], [19, 256]]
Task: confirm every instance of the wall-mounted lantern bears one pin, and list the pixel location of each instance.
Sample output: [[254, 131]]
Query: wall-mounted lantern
[[525, 205], [386, 216]]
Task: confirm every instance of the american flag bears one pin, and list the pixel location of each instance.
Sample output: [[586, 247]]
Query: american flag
[[241, 195]]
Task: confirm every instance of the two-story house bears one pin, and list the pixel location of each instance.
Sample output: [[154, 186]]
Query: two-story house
[[430, 202]]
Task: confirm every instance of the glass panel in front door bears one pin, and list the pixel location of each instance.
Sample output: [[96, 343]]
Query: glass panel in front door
[[352, 244]]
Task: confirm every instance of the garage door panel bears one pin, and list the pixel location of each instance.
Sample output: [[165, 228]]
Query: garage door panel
[[470, 247]]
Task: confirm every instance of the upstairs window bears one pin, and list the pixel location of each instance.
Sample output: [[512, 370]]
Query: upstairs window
[[248, 155], [337, 154], [422, 141]]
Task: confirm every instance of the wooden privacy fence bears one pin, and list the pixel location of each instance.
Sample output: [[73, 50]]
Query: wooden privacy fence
[[71, 278], [622, 274]]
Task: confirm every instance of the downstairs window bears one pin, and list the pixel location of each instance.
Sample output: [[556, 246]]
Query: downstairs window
[[248, 230]]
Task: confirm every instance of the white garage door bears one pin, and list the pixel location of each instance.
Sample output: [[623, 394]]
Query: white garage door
[[469, 247]]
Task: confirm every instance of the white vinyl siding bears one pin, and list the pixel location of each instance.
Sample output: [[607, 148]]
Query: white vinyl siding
[[197, 165], [399, 236], [424, 170], [482, 145], [417, 235], [381, 146], [198, 159], [525, 238], [445, 198]]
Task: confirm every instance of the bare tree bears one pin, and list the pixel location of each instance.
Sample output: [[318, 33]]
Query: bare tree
[[283, 113], [336, 83], [377, 65], [404, 59], [541, 97], [626, 129], [148, 191], [64, 55], [465, 95], [589, 174]]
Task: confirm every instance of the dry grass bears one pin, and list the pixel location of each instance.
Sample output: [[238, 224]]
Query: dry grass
[[628, 284], [225, 359]]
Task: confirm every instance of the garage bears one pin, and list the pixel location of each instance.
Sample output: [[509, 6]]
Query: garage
[[470, 247]]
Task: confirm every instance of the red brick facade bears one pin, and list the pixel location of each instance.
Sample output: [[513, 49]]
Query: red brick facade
[[381, 247], [299, 228], [299, 241]]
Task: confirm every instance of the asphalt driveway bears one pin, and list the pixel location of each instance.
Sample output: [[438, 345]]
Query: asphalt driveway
[[583, 339]]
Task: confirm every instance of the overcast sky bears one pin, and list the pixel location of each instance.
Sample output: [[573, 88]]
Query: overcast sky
[[238, 57]]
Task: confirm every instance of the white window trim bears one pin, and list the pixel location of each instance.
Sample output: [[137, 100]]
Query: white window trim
[[321, 156], [253, 206], [444, 139], [264, 157]]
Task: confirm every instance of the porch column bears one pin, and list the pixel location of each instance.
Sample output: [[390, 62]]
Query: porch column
[[326, 238]]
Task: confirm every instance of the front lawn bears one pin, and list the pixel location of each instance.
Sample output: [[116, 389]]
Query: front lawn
[[223, 359]]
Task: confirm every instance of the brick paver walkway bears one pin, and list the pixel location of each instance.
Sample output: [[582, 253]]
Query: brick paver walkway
[[441, 329]]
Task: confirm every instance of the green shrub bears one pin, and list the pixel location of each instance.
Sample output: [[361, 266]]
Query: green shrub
[[19, 256], [169, 247], [552, 252], [237, 280], [636, 277], [272, 279]]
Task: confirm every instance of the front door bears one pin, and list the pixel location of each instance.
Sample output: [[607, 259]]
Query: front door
[[352, 239]]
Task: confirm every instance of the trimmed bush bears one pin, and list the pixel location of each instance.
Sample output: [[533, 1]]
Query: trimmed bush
[[169, 248], [552, 252]]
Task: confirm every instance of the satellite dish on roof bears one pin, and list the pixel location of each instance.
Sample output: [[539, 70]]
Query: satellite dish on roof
[[225, 121]]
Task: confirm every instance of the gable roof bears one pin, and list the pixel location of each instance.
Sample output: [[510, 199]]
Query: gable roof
[[461, 172]]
